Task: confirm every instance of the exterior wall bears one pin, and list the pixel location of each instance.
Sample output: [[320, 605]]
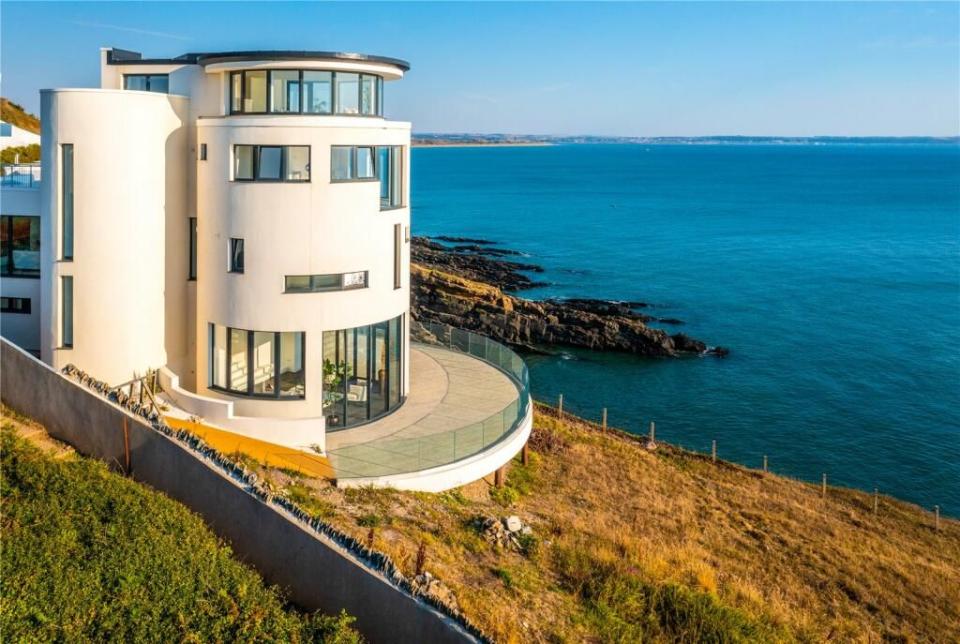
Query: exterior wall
[[21, 329], [129, 179], [295, 229]]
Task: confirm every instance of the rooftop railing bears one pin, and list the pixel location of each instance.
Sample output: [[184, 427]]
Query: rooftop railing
[[388, 457], [20, 175]]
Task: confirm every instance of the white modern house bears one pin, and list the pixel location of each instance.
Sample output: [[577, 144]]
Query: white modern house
[[240, 221], [12, 136]]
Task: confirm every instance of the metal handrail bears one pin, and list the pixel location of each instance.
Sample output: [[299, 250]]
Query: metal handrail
[[403, 456], [20, 175]]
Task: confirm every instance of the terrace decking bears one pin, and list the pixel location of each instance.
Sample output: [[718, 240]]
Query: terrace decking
[[457, 406]]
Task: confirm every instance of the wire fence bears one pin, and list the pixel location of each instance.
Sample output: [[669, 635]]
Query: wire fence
[[20, 175]]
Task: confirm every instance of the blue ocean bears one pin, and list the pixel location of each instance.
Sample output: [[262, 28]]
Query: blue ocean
[[831, 272]]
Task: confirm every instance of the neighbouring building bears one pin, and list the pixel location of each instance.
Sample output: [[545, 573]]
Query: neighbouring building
[[241, 221]]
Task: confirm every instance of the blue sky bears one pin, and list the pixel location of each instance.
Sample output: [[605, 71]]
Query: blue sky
[[654, 69]]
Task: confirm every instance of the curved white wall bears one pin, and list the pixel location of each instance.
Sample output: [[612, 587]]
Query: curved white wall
[[129, 179], [295, 229]]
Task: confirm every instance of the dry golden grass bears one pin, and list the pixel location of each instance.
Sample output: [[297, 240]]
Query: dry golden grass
[[666, 545]]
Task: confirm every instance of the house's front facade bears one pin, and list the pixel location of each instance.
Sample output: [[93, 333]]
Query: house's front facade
[[240, 220]]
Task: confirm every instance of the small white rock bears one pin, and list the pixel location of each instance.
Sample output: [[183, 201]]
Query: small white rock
[[513, 523]]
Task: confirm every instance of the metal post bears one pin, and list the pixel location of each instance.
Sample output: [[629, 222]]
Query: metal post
[[560, 407], [525, 454], [876, 500], [823, 486], [764, 462], [604, 422], [653, 432], [126, 447], [936, 516], [713, 450]]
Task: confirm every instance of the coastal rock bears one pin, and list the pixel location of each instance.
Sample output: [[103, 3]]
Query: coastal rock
[[513, 523], [467, 290]]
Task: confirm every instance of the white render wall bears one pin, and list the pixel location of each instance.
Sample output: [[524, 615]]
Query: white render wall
[[21, 329], [129, 180], [295, 229]]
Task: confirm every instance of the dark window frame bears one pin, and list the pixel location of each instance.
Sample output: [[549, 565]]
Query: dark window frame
[[232, 265], [397, 157], [147, 78], [192, 258], [328, 289], [377, 101], [66, 321], [354, 166], [283, 163], [6, 221], [203, 151], [277, 353], [67, 222], [397, 256], [6, 305]]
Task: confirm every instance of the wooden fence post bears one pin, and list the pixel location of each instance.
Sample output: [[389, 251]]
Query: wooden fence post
[[876, 500], [525, 454], [936, 517], [498, 478]]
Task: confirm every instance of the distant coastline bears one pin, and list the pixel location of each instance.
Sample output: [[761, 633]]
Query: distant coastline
[[522, 140]]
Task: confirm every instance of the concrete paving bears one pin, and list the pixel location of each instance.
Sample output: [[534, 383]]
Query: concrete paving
[[457, 405]]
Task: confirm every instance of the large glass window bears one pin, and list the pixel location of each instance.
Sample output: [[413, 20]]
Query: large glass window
[[255, 92], [326, 282], [66, 201], [347, 92], [66, 311], [365, 163], [341, 163], [147, 82], [271, 163], [317, 92], [19, 246], [362, 372], [265, 364], [284, 91], [292, 91], [353, 163], [390, 172]]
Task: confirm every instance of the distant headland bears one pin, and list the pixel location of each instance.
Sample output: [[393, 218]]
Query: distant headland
[[426, 139]]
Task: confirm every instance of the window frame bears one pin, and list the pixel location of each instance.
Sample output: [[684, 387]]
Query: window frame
[[232, 266], [396, 155], [6, 221], [341, 286], [283, 163], [376, 103], [6, 302], [203, 151], [277, 354], [67, 223], [354, 165], [147, 78], [192, 257], [66, 321]]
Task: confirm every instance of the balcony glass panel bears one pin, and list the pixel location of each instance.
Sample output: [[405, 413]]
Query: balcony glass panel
[[368, 94]]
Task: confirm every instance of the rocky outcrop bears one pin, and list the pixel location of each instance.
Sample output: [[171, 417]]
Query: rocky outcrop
[[466, 290]]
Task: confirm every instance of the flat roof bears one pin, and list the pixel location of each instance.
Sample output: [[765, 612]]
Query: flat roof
[[126, 57]]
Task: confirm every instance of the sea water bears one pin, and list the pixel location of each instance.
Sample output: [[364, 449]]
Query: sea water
[[831, 272]]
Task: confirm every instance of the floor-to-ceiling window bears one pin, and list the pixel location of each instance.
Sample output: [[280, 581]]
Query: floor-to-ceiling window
[[362, 372], [265, 364]]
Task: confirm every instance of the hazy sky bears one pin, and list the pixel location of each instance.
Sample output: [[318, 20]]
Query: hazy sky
[[615, 68]]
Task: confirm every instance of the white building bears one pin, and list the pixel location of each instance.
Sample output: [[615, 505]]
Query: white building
[[241, 220], [12, 136]]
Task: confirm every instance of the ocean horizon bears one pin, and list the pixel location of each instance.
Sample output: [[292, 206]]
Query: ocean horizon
[[831, 272]]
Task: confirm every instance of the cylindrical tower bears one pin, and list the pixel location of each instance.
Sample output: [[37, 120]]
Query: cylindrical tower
[[112, 173], [302, 240]]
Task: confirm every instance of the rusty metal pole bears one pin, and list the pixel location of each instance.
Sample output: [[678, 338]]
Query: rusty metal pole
[[126, 446], [525, 454]]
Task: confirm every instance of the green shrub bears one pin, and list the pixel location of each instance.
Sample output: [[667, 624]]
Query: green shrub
[[369, 520], [505, 496], [91, 556]]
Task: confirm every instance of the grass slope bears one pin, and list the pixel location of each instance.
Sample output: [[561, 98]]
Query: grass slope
[[91, 556], [14, 114], [631, 545]]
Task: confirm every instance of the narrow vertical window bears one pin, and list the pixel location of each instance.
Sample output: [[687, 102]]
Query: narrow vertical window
[[397, 249], [390, 171], [203, 151], [192, 268], [236, 92], [66, 201], [236, 255], [66, 311]]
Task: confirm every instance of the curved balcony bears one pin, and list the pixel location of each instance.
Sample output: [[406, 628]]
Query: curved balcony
[[467, 414]]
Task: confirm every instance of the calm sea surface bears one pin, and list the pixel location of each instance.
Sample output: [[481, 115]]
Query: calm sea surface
[[831, 272]]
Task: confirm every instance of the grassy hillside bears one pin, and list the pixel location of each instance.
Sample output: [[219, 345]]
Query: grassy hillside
[[630, 545], [89, 555], [14, 114]]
